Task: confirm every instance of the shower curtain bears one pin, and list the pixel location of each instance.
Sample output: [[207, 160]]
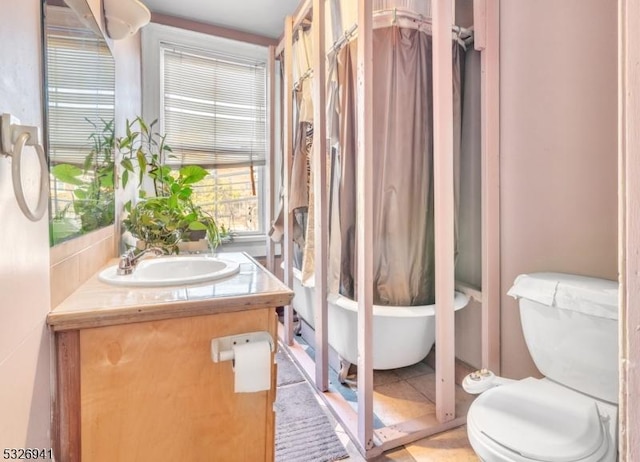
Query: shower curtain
[[403, 218], [301, 200]]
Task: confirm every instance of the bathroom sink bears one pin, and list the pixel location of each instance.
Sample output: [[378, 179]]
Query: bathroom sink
[[171, 271]]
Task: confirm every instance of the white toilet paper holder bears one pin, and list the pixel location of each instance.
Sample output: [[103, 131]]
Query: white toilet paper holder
[[222, 347]]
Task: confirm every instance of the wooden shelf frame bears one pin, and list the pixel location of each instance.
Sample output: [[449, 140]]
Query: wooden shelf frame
[[386, 438], [359, 425], [629, 227], [287, 242], [271, 156]]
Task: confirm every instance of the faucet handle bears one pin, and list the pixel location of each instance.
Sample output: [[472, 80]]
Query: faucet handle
[[128, 260], [125, 265]]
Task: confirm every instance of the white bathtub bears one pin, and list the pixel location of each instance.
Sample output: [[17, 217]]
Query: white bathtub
[[402, 335]]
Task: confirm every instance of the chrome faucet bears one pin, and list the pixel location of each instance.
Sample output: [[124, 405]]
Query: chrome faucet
[[129, 260]]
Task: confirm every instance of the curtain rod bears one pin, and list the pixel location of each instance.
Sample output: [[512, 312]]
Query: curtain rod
[[462, 34], [344, 38], [418, 17], [308, 73]]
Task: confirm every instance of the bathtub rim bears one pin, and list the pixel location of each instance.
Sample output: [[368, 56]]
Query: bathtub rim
[[397, 311], [394, 311]]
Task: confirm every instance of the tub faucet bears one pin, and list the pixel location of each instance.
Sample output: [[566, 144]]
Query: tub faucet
[[129, 260]]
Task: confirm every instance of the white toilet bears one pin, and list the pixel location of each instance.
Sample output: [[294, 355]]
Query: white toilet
[[570, 324]]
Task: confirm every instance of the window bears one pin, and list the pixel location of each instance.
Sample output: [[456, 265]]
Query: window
[[213, 109], [231, 195]]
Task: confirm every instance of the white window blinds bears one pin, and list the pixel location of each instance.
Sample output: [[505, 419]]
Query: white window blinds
[[214, 109], [80, 93]]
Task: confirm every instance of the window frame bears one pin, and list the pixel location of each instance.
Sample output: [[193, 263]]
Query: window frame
[[157, 36]]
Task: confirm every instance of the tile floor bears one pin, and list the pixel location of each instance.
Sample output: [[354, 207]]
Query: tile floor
[[400, 395]]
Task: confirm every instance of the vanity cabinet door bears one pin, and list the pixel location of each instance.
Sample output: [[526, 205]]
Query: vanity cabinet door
[[149, 391]]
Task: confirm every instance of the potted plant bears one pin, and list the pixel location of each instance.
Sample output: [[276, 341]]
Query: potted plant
[[93, 200], [164, 213]]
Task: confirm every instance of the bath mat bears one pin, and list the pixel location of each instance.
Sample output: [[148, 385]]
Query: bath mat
[[304, 433], [287, 371]]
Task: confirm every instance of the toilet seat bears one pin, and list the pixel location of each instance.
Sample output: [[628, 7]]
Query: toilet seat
[[536, 420]]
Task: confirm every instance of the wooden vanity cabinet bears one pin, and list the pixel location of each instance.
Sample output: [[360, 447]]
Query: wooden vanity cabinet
[[149, 391]]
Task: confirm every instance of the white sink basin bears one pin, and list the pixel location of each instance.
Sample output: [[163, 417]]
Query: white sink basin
[[171, 271]]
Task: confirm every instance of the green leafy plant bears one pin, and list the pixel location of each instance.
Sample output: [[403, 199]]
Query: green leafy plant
[[166, 215], [93, 181]]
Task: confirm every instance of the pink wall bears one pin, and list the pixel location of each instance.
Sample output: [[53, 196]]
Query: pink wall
[[24, 247], [128, 80], [127, 53], [558, 148]]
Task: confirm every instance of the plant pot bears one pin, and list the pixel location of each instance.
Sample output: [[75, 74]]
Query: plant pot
[[194, 235], [201, 245]]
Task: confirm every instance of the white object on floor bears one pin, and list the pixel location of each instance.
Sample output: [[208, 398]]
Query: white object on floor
[[570, 327]]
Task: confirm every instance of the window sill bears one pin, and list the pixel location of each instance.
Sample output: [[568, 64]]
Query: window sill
[[255, 246]]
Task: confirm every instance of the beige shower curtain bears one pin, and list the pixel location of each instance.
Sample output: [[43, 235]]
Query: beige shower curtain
[[301, 200], [403, 220]]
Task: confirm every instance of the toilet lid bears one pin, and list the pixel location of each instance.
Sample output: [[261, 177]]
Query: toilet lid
[[539, 420]]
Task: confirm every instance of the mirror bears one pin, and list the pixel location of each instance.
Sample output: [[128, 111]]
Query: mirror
[[79, 120]]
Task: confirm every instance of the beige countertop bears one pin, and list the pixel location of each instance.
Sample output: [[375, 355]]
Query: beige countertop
[[97, 304]]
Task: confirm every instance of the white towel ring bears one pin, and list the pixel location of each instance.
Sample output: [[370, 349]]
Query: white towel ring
[[16, 175]]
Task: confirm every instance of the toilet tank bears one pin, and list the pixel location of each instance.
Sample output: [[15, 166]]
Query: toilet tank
[[570, 325]]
